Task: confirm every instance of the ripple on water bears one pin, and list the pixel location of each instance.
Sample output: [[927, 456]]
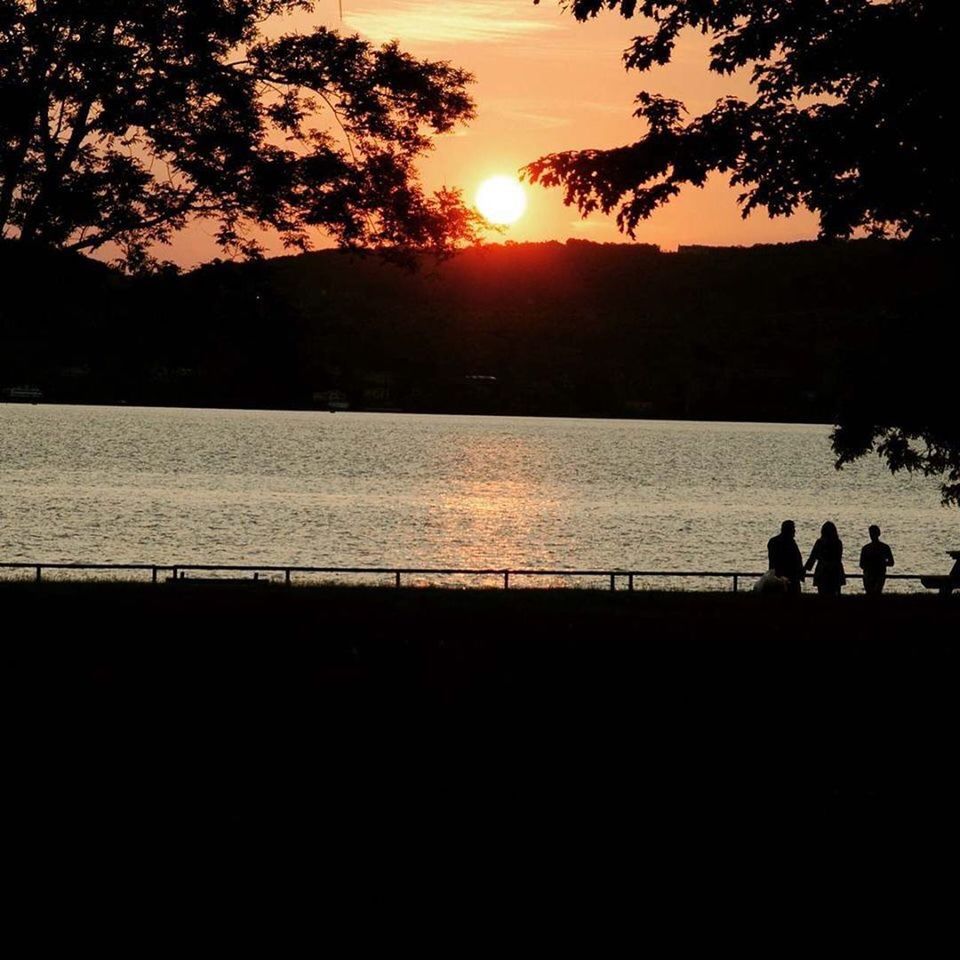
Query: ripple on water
[[305, 488]]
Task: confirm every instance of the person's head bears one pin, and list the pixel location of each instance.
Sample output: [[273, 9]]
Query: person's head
[[788, 528], [874, 531], [829, 531]]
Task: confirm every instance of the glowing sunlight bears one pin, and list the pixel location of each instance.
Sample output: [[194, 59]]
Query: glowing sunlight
[[502, 200]]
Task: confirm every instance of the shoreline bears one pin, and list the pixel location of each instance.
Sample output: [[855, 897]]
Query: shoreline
[[213, 408], [267, 616]]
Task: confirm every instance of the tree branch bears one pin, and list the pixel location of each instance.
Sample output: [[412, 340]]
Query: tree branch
[[102, 237]]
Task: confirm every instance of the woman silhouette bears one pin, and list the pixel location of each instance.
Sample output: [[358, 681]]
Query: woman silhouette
[[827, 554]]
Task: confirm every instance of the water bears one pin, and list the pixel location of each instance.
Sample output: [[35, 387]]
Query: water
[[126, 484]]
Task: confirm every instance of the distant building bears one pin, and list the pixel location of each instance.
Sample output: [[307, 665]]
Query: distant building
[[22, 394], [377, 392], [331, 400]]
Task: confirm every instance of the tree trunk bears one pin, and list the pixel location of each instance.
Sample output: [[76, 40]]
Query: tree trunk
[[56, 170], [11, 177], [35, 98]]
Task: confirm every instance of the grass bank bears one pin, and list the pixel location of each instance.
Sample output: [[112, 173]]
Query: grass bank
[[208, 710]]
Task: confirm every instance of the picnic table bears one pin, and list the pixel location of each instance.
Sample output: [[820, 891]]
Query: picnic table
[[944, 585]]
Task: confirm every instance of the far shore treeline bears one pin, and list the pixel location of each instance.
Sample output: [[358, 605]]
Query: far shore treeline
[[795, 332]]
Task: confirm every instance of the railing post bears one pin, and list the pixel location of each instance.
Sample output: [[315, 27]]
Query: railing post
[[630, 583], [286, 576], [506, 579], [398, 580], [39, 568], [154, 575], [735, 582], [613, 581]]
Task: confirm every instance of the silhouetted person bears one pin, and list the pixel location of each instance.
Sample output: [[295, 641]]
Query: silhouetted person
[[827, 554], [784, 555], [875, 557]]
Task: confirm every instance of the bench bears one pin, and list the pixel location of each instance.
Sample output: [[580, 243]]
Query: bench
[[945, 585]]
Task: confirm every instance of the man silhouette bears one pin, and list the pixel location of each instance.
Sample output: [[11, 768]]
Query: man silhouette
[[784, 556], [875, 557]]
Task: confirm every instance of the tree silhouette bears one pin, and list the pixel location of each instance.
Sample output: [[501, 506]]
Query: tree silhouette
[[852, 98], [123, 120], [851, 104]]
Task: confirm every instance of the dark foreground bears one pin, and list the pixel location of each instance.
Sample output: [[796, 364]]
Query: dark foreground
[[645, 726]]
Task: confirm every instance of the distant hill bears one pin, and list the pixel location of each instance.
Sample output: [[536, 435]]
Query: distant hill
[[782, 332], [56, 315]]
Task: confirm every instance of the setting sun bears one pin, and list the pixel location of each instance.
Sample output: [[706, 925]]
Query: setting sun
[[502, 200]]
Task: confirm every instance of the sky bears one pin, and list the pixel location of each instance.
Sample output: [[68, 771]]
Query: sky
[[546, 83]]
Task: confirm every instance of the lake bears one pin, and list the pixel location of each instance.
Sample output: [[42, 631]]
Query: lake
[[128, 484]]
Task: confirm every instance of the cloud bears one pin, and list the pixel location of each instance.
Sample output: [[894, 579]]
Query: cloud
[[591, 224], [450, 21], [539, 121], [531, 112]]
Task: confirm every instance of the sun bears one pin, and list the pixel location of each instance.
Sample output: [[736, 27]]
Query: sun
[[501, 200]]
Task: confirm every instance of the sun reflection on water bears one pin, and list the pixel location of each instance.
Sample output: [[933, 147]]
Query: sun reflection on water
[[135, 485]]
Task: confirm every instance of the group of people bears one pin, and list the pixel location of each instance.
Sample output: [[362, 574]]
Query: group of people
[[787, 569]]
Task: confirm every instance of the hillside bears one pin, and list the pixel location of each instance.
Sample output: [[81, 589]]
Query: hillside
[[765, 333]]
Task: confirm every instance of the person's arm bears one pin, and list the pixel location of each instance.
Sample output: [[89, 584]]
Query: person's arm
[[814, 556], [863, 552], [798, 562], [889, 557]]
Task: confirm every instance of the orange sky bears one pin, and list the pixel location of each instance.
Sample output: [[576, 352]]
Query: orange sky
[[545, 82]]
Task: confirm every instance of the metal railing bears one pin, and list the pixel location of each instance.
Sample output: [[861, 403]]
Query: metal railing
[[184, 571]]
